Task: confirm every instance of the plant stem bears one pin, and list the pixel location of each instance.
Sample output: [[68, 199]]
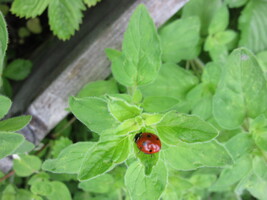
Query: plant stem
[[7, 176], [72, 120]]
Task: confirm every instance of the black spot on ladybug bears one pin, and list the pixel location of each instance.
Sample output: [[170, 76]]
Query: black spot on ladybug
[[150, 150], [157, 138], [148, 135]]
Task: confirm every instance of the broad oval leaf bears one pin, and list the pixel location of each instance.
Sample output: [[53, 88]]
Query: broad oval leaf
[[18, 69], [100, 184], [172, 81], [175, 127], [180, 41], [25, 165], [219, 21], [239, 145], [92, 112], [103, 157], [230, 176], [25, 147], [141, 186], [241, 92], [121, 110], [192, 156], [3, 43], [204, 9], [99, 88], [251, 22], [59, 191], [9, 142], [15, 123], [5, 104], [158, 103], [140, 60], [70, 159]]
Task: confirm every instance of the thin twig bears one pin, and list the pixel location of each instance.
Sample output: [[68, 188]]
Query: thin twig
[[7, 176], [72, 120]]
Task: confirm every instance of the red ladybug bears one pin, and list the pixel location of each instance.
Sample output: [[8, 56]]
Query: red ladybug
[[148, 143]]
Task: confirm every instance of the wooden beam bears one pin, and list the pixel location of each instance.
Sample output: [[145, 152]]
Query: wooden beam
[[85, 62]]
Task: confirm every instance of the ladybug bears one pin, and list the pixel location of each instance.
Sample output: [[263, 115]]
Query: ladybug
[[148, 143]]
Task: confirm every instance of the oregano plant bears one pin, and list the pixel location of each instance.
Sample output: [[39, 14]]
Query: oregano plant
[[183, 115], [188, 142]]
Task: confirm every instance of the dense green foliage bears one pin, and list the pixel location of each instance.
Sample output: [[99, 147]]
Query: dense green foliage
[[64, 16], [197, 83]]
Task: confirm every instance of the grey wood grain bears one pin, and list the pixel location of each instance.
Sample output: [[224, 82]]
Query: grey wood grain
[[84, 61]]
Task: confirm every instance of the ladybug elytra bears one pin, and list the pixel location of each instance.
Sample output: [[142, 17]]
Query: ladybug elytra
[[148, 143]]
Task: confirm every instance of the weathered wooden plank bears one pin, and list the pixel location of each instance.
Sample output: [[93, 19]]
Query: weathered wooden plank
[[87, 62]]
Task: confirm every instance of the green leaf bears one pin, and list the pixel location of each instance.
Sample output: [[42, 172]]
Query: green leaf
[[233, 174], [5, 104], [140, 60], [175, 127], [99, 88], [218, 44], [258, 128], [141, 186], [18, 70], [240, 145], [151, 119], [15, 123], [40, 177], [158, 103], [65, 17], [200, 100], [25, 165], [9, 193], [219, 21], [201, 180], [70, 159], [121, 110], [103, 157], [3, 42], [91, 3], [260, 167], [211, 74], [256, 186], [59, 191], [59, 145], [9, 142], [92, 112], [172, 81], [29, 8], [23, 194], [192, 156], [100, 184], [204, 9], [25, 147], [34, 25], [43, 188], [262, 59], [251, 22], [128, 126], [241, 91], [180, 41], [176, 187], [236, 3], [7, 88]]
